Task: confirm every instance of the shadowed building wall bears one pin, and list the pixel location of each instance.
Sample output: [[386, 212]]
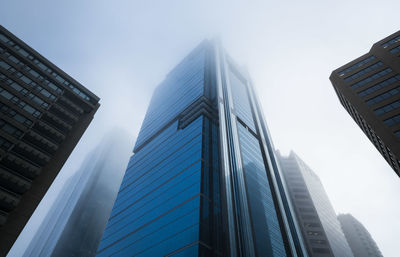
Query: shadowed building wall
[[369, 89], [43, 114]]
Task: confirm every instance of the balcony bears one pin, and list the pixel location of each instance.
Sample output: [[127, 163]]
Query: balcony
[[56, 122], [85, 105], [49, 132], [31, 153], [63, 114], [70, 106], [38, 141], [13, 181], [20, 165], [8, 200]]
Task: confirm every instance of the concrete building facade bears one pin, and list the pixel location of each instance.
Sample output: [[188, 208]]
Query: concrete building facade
[[369, 89], [316, 217], [43, 114]]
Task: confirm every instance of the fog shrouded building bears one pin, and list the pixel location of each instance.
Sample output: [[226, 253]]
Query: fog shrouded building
[[360, 240], [202, 180], [43, 114], [316, 217], [369, 89], [77, 219]]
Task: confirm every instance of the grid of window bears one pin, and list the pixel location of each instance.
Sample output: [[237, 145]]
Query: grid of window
[[387, 108], [43, 67], [380, 85], [28, 69], [356, 66], [393, 120], [30, 83], [364, 71], [13, 114], [391, 42], [371, 78], [16, 100], [383, 96], [318, 204], [25, 92], [395, 50], [10, 129]]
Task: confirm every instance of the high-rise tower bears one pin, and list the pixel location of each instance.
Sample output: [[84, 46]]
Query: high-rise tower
[[360, 240], [202, 180], [43, 114], [321, 230], [76, 220], [369, 89]]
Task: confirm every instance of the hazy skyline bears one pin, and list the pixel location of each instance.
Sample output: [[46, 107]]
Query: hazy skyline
[[122, 50]]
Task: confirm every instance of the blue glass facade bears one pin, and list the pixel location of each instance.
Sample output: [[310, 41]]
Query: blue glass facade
[[182, 194], [267, 233], [180, 88]]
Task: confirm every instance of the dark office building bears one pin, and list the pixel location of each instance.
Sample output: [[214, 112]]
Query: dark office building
[[202, 180], [316, 217], [358, 237], [76, 221], [43, 114], [369, 89]]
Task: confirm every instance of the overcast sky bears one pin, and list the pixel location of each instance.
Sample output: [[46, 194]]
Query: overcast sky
[[121, 50]]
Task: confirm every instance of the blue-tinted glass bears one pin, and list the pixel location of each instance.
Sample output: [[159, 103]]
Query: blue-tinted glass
[[384, 96], [364, 71], [388, 108], [188, 252], [371, 78], [393, 120], [241, 99], [179, 89], [395, 50], [169, 198], [356, 66], [152, 198], [267, 233], [380, 85], [169, 202], [391, 42]]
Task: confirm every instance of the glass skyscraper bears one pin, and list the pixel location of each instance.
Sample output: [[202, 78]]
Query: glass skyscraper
[[203, 180]]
